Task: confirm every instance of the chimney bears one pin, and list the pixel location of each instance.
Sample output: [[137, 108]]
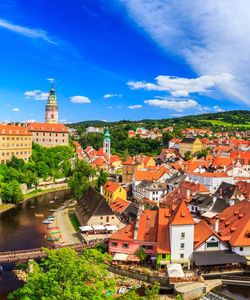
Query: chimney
[[216, 225], [101, 190], [187, 194]]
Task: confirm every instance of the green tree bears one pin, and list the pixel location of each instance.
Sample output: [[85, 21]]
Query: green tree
[[101, 180], [202, 153], [66, 275], [187, 155], [79, 181], [153, 293], [11, 192], [141, 254], [166, 137]]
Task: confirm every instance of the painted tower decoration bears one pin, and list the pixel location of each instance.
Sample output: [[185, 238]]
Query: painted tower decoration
[[51, 111], [106, 142]]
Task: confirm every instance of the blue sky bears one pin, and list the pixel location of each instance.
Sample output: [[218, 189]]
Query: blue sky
[[123, 59]]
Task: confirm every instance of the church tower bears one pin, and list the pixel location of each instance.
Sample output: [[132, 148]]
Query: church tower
[[106, 142], [51, 111]]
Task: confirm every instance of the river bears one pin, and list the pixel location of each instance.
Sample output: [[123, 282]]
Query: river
[[20, 229]]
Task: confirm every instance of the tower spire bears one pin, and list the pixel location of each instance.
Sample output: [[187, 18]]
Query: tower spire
[[106, 142], [51, 111]]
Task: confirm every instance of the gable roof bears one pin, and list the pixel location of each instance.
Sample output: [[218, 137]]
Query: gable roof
[[182, 215], [13, 130], [119, 205], [188, 140], [91, 204], [202, 232]]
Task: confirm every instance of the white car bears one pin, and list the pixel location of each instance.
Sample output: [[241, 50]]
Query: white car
[[122, 290]]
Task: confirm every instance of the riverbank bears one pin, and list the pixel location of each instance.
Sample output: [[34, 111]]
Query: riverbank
[[36, 193]]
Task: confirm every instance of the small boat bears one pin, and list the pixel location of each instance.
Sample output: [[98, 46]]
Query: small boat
[[46, 221], [39, 215], [50, 239], [51, 218], [53, 210], [53, 227]]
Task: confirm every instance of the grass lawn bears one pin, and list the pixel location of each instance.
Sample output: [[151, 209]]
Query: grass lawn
[[226, 124], [74, 221]]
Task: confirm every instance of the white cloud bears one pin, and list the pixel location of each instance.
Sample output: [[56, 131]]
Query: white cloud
[[52, 80], [137, 106], [218, 109], [16, 109], [213, 37], [176, 105], [26, 31], [182, 87], [80, 99], [108, 95], [109, 107], [36, 95]]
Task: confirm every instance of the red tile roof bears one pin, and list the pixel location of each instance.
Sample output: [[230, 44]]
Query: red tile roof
[[235, 224], [119, 205], [244, 187], [111, 186], [47, 127], [124, 234], [182, 215], [14, 130], [163, 241], [202, 232], [147, 230]]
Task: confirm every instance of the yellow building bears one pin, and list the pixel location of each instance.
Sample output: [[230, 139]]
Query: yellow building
[[189, 145], [15, 141], [113, 190]]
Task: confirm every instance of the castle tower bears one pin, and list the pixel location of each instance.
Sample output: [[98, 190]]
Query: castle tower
[[106, 142], [51, 111]]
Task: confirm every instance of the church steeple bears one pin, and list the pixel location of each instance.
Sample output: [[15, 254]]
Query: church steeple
[[51, 111], [106, 142]]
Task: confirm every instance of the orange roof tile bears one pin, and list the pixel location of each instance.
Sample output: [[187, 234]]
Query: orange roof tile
[[119, 205], [235, 223], [124, 234], [163, 242], [14, 130], [147, 230], [111, 186], [203, 231], [182, 215], [47, 127]]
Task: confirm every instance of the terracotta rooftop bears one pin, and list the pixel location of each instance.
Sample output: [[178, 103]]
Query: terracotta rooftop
[[13, 130], [111, 186], [182, 215], [163, 242], [203, 231], [47, 127]]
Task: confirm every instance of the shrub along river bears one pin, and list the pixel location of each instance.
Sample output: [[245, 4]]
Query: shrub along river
[[20, 229]]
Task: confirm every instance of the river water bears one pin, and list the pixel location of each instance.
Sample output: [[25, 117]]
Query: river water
[[20, 229]]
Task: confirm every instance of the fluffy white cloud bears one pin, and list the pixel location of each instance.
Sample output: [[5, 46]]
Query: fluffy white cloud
[[80, 99], [16, 109], [137, 106], [182, 87], [108, 95], [218, 109], [36, 95], [176, 105], [26, 31], [213, 36]]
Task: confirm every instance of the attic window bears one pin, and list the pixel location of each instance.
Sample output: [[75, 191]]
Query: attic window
[[232, 229], [241, 215], [236, 212], [227, 223], [183, 214], [248, 234]]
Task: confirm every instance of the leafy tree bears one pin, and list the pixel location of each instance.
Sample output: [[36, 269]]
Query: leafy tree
[[153, 293], [187, 156], [202, 153], [66, 275], [79, 181], [101, 180], [141, 254], [166, 137], [11, 192]]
